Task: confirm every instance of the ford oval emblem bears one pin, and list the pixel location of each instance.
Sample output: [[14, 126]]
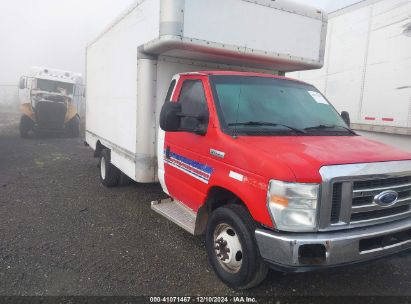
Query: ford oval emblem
[[386, 198]]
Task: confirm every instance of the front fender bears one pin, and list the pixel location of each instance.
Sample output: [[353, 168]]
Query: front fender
[[71, 112], [27, 110], [250, 188]]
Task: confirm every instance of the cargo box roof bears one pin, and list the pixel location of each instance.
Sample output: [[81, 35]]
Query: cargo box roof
[[281, 35]]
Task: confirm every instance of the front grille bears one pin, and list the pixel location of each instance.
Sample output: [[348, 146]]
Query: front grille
[[366, 200], [336, 203], [362, 208], [386, 182], [370, 215], [50, 115]]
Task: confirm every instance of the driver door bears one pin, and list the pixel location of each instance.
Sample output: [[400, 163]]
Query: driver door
[[187, 171]]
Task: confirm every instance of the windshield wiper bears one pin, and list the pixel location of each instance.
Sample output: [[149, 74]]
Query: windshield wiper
[[322, 127], [263, 123]]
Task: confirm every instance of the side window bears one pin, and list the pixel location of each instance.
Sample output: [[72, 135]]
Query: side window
[[170, 90], [193, 104]]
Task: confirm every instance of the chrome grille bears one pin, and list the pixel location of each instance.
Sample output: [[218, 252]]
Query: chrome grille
[[377, 214], [384, 183], [364, 209], [348, 191], [336, 203]]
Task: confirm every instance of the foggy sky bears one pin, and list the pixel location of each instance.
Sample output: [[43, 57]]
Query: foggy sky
[[328, 5], [54, 33]]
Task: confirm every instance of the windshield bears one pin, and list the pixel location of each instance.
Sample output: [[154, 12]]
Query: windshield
[[263, 106], [54, 86]]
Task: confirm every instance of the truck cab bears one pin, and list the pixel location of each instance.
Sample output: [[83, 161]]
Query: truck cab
[[273, 176], [50, 100]]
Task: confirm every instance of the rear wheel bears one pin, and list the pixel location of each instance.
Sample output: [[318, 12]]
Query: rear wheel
[[73, 127], [26, 125], [109, 174], [232, 249]]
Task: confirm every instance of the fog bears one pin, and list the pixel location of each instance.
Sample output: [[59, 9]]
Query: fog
[[50, 32], [54, 33]]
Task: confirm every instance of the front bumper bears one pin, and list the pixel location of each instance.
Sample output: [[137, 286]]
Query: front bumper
[[311, 251]]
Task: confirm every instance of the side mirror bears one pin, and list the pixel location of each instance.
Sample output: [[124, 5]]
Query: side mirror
[[194, 124], [169, 116], [172, 120], [22, 83], [346, 117]]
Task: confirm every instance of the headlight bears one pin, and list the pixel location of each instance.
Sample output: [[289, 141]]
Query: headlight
[[293, 206]]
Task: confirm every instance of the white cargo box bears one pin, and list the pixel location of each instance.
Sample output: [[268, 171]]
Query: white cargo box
[[130, 65], [368, 65]]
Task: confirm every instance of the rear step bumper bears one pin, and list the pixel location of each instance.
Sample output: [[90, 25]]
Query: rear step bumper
[[300, 252]]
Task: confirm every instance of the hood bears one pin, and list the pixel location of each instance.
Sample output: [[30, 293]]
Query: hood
[[305, 155], [50, 96], [39, 92]]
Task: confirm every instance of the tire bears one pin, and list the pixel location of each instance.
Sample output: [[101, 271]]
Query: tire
[[109, 174], [73, 127], [236, 223], [26, 125]]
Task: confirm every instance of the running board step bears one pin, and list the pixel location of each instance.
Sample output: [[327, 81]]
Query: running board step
[[177, 213]]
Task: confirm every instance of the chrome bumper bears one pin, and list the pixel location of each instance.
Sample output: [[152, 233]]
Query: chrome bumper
[[286, 250]]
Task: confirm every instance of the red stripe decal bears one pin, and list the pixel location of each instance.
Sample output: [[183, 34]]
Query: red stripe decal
[[198, 172], [369, 118], [388, 119], [189, 168]]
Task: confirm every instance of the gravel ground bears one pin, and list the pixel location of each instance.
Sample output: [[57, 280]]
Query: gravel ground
[[63, 233]]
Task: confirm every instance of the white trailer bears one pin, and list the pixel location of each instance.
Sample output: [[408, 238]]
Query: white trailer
[[367, 69], [130, 65]]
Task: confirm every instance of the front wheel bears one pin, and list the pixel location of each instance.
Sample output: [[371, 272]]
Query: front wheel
[[109, 174], [231, 248], [26, 125]]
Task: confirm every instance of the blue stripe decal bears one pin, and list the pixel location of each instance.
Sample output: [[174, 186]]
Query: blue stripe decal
[[195, 169], [193, 163]]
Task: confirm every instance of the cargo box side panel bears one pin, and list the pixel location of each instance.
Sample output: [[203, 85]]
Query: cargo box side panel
[[387, 81], [270, 29], [348, 47], [111, 105], [341, 77]]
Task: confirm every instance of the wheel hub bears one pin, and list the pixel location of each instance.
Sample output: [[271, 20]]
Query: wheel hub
[[222, 249], [228, 248]]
